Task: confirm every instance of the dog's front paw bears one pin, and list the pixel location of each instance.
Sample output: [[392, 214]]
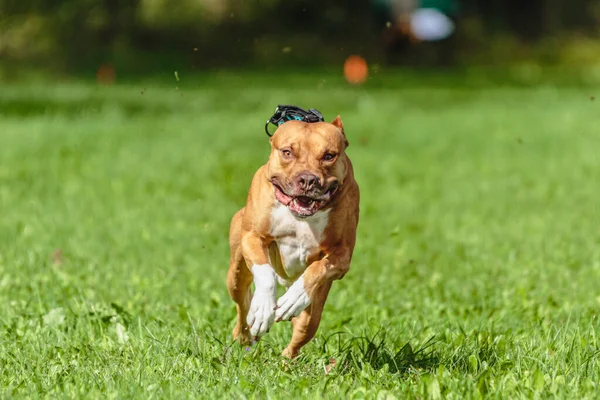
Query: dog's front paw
[[293, 302], [261, 315]]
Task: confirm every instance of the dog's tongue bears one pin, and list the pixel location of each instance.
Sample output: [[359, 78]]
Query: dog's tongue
[[282, 197], [304, 206], [303, 202], [301, 205]]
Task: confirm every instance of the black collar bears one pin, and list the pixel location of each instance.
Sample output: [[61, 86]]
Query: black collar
[[284, 113]]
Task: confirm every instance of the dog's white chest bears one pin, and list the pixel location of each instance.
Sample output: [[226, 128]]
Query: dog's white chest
[[297, 239]]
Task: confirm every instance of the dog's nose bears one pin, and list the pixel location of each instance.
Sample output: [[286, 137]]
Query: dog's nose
[[307, 181]]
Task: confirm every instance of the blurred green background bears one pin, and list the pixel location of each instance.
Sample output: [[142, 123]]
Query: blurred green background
[[149, 36]]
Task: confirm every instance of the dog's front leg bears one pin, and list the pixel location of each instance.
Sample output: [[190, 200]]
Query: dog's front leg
[[302, 292], [261, 315]]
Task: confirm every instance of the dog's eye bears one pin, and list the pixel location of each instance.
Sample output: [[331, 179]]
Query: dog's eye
[[328, 157], [286, 153]]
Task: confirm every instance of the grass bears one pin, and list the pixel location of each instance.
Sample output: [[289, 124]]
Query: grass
[[475, 273]]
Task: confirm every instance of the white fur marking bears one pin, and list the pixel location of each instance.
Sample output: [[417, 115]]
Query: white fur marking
[[297, 238], [293, 302], [261, 315]]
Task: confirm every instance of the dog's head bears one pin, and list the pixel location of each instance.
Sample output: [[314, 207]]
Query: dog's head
[[307, 164]]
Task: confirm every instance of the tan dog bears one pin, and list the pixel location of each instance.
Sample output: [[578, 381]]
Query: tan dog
[[298, 228]]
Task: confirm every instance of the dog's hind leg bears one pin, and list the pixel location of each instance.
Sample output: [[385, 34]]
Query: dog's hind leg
[[306, 324], [239, 280]]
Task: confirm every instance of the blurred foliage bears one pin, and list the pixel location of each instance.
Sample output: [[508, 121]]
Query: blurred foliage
[[146, 35]]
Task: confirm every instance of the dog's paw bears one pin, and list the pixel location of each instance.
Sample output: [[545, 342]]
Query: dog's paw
[[241, 334], [293, 302], [261, 315]]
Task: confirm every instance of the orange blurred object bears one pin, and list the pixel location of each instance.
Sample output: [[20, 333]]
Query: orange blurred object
[[356, 70], [105, 74]]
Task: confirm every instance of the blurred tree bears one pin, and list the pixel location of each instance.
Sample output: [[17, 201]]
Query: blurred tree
[[71, 34]]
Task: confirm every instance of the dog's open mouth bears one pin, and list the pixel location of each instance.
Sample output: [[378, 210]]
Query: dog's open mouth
[[303, 206]]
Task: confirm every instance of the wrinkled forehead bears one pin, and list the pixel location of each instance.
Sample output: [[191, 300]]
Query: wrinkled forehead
[[316, 136]]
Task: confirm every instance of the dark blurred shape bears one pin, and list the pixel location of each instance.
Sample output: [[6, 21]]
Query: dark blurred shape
[[106, 75], [417, 30]]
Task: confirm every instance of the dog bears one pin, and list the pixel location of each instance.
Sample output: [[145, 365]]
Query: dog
[[298, 229]]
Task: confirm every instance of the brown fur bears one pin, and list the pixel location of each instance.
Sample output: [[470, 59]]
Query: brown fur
[[250, 239]]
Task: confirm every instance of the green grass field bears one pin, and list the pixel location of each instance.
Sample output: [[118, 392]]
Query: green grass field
[[476, 272]]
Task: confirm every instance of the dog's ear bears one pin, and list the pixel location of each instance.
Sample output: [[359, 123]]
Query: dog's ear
[[337, 122]]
